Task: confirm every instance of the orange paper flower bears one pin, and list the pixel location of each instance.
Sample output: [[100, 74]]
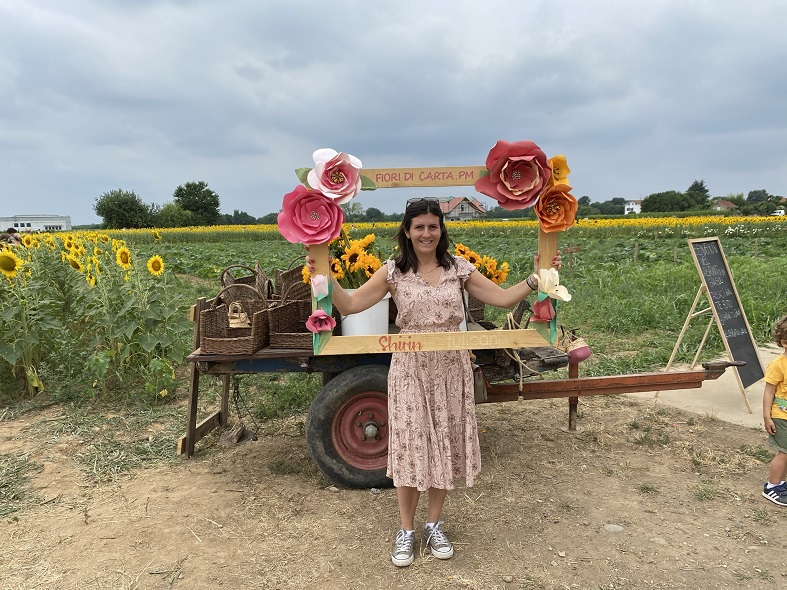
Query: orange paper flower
[[556, 208]]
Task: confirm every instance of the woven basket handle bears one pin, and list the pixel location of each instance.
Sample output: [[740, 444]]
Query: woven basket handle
[[226, 271], [254, 291]]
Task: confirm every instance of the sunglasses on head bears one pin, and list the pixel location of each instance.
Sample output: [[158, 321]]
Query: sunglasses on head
[[422, 200]]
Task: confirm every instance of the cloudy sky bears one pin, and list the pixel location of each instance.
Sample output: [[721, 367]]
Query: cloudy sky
[[146, 95]]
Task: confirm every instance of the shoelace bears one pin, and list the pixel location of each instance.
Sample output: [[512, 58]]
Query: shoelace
[[437, 537], [404, 542]]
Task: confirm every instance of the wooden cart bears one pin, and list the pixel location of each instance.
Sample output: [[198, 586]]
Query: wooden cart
[[347, 424]]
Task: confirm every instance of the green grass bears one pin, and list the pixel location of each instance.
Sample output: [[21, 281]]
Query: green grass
[[15, 493], [707, 492]]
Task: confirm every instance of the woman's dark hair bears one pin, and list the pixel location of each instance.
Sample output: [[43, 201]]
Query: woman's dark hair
[[405, 258]]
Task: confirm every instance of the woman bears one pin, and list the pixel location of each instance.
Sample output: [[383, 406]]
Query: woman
[[433, 434]]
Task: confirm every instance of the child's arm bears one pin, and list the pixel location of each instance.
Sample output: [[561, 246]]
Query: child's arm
[[767, 402]]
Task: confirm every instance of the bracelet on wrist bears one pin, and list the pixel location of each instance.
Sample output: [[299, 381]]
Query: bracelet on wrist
[[529, 280]]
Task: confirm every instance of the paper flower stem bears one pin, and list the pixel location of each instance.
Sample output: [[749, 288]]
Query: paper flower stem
[[322, 266], [547, 248]]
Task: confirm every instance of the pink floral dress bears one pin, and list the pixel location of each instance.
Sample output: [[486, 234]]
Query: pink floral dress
[[433, 432]]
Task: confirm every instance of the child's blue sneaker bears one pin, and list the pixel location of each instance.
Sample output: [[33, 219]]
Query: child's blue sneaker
[[776, 494]]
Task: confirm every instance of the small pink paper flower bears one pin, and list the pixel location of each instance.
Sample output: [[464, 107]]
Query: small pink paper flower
[[309, 217], [319, 321], [543, 311], [336, 174], [518, 173], [319, 286]]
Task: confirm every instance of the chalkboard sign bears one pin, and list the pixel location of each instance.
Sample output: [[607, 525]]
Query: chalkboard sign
[[712, 266]]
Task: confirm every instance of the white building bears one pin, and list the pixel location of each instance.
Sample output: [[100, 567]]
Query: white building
[[633, 207], [36, 223]]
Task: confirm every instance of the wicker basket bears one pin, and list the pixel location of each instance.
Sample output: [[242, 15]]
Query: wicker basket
[[475, 308], [256, 278], [287, 324], [218, 336], [289, 282]]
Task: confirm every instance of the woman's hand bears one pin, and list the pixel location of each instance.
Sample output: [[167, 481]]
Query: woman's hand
[[557, 262], [310, 261]]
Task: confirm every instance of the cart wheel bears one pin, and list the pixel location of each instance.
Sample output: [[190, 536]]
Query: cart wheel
[[347, 428]]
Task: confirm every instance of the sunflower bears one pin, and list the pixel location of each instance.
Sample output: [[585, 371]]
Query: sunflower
[[352, 256], [461, 250], [501, 274], [364, 243], [474, 258], [156, 265], [9, 263], [29, 241], [305, 273], [123, 258], [336, 269], [75, 263], [156, 236], [369, 263]]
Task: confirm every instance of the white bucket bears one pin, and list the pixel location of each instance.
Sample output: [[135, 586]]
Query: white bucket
[[370, 321]]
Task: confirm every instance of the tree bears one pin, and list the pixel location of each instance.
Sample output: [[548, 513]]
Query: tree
[[757, 196], [665, 202], [373, 214], [584, 200], [173, 215], [616, 206], [123, 209], [698, 195], [238, 217], [353, 211], [200, 200], [269, 218]]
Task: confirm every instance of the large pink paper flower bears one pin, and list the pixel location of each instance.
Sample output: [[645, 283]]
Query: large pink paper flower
[[319, 321], [309, 217], [518, 173], [336, 174]]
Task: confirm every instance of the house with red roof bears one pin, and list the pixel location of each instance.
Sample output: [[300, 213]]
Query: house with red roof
[[722, 205], [461, 208]]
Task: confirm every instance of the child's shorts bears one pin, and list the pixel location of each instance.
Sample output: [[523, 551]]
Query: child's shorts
[[779, 440]]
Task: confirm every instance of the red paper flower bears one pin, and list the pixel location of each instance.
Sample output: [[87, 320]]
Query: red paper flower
[[556, 208], [543, 311], [309, 217], [319, 321], [518, 173]]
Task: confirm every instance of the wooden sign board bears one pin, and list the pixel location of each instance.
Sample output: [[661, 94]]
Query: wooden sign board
[[727, 309], [471, 340], [442, 176]]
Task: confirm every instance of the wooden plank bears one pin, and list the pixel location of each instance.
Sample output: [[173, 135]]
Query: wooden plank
[[382, 343], [186, 442], [439, 176]]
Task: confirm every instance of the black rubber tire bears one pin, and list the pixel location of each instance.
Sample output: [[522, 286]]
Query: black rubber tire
[[350, 388]]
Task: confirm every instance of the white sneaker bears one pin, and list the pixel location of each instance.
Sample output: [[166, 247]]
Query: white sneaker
[[437, 541], [402, 554]]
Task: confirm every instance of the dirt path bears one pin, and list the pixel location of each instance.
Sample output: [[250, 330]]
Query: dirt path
[[643, 497]]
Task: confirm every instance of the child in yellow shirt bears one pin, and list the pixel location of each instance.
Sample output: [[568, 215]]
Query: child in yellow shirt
[[774, 413]]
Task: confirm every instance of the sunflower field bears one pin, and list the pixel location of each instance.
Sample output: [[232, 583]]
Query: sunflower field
[[105, 313], [81, 310]]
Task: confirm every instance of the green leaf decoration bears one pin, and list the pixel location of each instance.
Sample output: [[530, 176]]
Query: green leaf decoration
[[302, 173], [483, 173], [367, 184]]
